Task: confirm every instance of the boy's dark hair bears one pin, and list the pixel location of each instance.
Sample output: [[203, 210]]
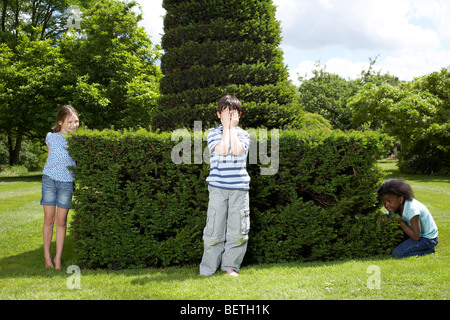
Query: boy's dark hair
[[229, 101], [396, 186]]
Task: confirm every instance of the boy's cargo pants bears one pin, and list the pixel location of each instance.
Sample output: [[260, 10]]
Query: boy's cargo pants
[[225, 236]]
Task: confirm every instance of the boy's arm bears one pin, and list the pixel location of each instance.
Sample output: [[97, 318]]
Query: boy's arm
[[224, 144], [230, 137], [236, 146]]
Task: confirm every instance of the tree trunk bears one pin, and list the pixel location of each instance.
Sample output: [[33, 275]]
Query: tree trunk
[[14, 150]]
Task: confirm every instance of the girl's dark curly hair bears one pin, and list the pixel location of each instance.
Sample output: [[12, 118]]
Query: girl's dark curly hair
[[396, 186]]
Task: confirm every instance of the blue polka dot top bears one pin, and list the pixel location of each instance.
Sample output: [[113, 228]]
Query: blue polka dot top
[[58, 159]]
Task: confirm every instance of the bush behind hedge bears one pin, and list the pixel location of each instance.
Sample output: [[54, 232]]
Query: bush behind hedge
[[135, 208]]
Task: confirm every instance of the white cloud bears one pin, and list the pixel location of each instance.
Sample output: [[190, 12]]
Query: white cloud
[[346, 68], [405, 66], [411, 37], [304, 70], [411, 65], [363, 24], [153, 14], [342, 67]]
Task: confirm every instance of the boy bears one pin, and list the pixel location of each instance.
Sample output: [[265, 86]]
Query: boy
[[228, 220]]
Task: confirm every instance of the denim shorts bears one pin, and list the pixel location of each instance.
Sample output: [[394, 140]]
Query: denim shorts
[[56, 193]]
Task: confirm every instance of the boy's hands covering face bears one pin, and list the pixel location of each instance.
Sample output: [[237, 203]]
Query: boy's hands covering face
[[229, 119], [225, 118], [234, 118]]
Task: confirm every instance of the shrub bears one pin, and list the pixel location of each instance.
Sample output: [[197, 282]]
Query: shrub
[[14, 171], [415, 113], [216, 48], [322, 203], [135, 208]]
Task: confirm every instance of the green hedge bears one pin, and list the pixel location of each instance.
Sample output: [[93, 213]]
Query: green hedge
[[212, 53], [222, 29], [214, 48], [205, 77], [200, 12], [135, 208]]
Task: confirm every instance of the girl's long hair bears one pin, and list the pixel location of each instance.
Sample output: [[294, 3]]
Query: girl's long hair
[[64, 112]]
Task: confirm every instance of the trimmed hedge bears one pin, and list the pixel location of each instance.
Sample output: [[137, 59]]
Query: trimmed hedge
[[215, 48], [135, 208]]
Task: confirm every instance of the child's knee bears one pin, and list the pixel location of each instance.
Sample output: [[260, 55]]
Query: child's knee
[[49, 221], [238, 239], [61, 223], [396, 253], [213, 240]]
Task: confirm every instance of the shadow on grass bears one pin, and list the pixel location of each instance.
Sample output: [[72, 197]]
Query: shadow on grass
[[390, 168], [31, 263], [33, 177], [179, 274]]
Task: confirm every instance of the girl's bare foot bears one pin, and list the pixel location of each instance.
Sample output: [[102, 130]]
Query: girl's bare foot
[[57, 264], [48, 263]]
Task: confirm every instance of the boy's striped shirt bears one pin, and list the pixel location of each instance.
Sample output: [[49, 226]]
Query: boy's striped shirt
[[230, 171]]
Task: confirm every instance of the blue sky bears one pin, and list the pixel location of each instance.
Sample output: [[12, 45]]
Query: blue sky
[[410, 38]]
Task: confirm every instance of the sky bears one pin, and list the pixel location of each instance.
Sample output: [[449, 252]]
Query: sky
[[408, 38]]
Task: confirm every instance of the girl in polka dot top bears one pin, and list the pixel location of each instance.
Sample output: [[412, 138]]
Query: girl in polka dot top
[[57, 183]]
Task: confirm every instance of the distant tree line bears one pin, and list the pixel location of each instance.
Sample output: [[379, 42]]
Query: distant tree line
[[416, 113]]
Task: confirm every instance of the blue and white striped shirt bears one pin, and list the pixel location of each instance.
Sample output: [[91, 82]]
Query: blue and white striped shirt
[[230, 171]]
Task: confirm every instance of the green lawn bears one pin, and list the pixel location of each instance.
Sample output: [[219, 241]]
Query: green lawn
[[22, 273]]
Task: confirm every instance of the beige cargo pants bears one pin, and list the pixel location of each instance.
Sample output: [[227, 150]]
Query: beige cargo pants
[[225, 236]]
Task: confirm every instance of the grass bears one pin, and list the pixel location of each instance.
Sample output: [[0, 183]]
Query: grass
[[22, 273]]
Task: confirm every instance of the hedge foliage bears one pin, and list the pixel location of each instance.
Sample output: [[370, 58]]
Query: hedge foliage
[[135, 208], [213, 48]]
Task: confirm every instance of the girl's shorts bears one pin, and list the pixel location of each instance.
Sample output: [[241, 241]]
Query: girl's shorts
[[56, 193]]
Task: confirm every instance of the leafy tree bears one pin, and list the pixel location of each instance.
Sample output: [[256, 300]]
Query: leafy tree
[[29, 90], [113, 62], [213, 48], [417, 113], [106, 70], [376, 77], [327, 94], [50, 16]]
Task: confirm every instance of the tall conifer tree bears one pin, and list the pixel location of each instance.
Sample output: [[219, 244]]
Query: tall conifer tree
[[218, 47]]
